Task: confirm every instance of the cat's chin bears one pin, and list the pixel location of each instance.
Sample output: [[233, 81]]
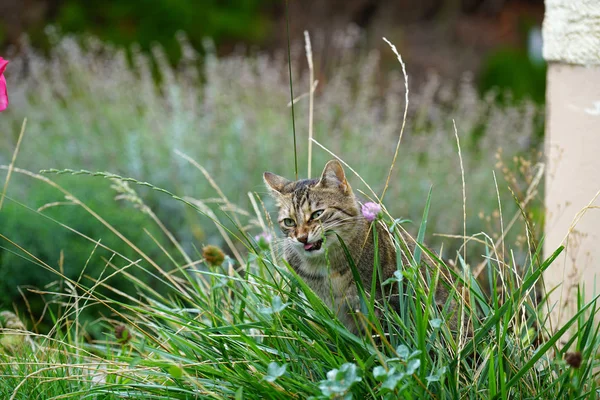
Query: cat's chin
[[313, 253]]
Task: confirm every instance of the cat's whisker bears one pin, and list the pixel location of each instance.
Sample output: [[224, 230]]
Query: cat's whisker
[[280, 242], [354, 218], [339, 223]]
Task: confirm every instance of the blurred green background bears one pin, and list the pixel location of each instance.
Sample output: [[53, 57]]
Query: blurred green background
[[496, 39], [118, 86]]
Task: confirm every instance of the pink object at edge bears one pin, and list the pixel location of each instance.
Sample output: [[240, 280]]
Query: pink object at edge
[[3, 91]]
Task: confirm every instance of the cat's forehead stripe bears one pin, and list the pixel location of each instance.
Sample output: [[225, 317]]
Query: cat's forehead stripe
[[300, 194]]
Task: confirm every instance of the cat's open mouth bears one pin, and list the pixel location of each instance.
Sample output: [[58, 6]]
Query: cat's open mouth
[[313, 246]]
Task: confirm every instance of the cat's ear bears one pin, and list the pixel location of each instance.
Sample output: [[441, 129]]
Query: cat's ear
[[275, 182], [333, 176]]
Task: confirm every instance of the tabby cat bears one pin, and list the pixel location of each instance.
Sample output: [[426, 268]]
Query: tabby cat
[[312, 213]]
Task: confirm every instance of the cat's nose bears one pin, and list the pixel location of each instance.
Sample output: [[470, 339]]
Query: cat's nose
[[302, 238]]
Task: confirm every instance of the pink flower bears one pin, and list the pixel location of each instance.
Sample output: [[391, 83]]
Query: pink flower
[[263, 239], [3, 91], [371, 211]]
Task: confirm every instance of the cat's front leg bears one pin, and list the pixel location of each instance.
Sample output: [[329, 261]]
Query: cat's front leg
[[349, 312]]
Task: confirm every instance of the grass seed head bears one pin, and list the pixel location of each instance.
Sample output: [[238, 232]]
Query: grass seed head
[[213, 255], [122, 334], [573, 359]]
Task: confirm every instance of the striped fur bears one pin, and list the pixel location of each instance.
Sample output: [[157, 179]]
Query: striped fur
[[312, 245]]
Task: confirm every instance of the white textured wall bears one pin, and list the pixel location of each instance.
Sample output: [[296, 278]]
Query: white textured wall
[[571, 35], [572, 31]]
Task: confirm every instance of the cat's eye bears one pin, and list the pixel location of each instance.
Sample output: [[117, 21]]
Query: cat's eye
[[289, 222], [316, 214]]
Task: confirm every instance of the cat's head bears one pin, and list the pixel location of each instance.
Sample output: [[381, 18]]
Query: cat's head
[[311, 209]]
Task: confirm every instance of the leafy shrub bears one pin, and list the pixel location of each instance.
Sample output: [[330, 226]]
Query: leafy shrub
[[45, 253], [510, 71]]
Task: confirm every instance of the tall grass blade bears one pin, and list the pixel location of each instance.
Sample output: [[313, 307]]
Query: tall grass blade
[[422, 228], [550, 342], [289, 53], [510, 302]]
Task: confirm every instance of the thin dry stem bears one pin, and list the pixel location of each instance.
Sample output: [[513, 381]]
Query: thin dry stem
[[303, 95], [206, 210], [464, 191], [387, 181], [209, 179], [169, 235], [500, 212], [349, 167], [530, 194], [270, 227], [311, 97], [55, 204], [565, 242], [467, 238], [257, 212], [501, 271], [105, 303], [101, 220], [12, 162]]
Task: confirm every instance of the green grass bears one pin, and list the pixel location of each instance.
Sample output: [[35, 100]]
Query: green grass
[[216, 333]]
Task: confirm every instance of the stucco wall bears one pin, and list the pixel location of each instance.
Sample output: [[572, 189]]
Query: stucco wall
[[572, 46], [572, 183], [572, 31]]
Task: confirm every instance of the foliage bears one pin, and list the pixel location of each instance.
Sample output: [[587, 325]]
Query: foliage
[[147, 22], [264, 334], [79, 253], [514, 76]]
